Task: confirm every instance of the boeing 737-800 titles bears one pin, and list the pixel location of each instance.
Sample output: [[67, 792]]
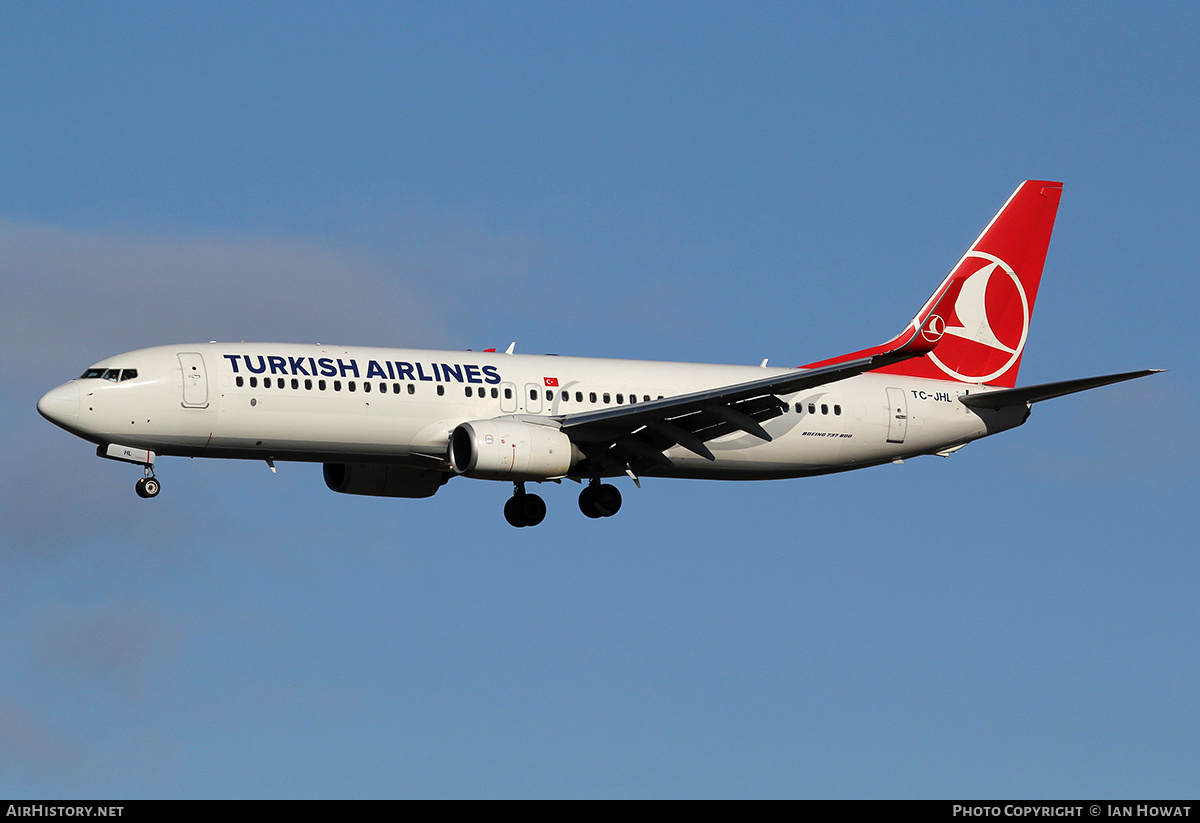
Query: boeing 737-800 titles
[[402, 422]]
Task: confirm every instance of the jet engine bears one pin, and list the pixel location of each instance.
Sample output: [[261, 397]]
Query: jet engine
[[382, 480], [511, 450]]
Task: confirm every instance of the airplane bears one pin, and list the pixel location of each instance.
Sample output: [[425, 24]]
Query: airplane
[[403, 422]]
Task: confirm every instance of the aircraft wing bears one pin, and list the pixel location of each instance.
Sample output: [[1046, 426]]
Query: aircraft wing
[[646, 430]]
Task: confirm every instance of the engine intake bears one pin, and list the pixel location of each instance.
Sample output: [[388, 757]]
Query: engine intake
[[511, 450]]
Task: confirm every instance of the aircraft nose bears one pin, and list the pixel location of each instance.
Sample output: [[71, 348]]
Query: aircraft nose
[[61, 405]]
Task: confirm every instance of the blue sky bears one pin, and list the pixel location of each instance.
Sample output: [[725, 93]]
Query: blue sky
[[684, 181]]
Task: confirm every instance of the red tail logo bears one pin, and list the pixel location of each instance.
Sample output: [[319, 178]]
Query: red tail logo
[[934, 329], [989, 324]]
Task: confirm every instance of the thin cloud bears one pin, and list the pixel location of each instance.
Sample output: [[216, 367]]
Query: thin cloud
[[118, 646], [409, 281], [92, 294], [29, 748]]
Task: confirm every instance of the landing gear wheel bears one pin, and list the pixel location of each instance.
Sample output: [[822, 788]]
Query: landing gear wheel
[[513, 513], [147, 487], [587, 502], [534, 509], [600, 500], [608, 500], [524, 510]]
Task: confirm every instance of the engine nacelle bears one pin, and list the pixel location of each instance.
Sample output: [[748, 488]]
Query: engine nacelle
[[511, 450], [382, 480]]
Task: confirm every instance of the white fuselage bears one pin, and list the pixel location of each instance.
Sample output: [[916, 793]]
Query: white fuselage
[[373, 405]]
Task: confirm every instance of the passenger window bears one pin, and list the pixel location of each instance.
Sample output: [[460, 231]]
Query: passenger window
[[128, 374], [566, 395], [366, 387], [824, 409], [508, 394], [240, 382], [646, 398], [351, 385], [383, 388], [549, 395], [620, 399], [321, 385], [295, 383], [607, 398], [395, 388], [592, 397], [812, 408], [837, 409], [799, 408], [412, 388], [533, 394], [495, 392], [266, 382], [253, 382], [468, 391], [441, 389], [307, 384], [578, 397], [337, 385]]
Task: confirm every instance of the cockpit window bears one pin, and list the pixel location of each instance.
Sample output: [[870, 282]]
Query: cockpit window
[[114, 375]]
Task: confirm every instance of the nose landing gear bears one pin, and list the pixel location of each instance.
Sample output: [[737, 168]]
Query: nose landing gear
[[148, 486], [523, 509]]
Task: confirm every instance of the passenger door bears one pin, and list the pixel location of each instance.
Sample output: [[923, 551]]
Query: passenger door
[[195, 380]]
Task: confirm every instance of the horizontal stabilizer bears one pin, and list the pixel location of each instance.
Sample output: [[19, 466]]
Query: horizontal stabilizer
[[1046, 391]]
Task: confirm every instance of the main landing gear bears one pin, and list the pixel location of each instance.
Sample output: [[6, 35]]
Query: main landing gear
[[596, 500], [148, 486], [524, 509], [599, 499]]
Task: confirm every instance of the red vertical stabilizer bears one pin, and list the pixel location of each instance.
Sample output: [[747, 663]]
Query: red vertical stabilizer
[[979, 316]]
